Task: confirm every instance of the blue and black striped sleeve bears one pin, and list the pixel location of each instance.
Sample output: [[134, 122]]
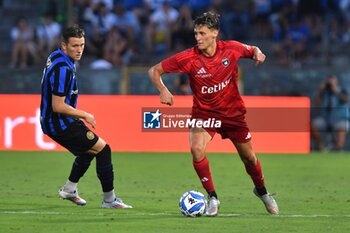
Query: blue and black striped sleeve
[[60, 80]]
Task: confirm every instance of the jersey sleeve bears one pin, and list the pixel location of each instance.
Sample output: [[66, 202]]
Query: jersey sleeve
[[242, 50], [176, 63], [60, 80]]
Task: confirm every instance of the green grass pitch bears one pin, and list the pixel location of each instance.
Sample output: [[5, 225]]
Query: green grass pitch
[[313, 193]]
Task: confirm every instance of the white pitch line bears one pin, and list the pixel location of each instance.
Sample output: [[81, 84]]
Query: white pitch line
[[79, 213], [172, 214], [289, 215]]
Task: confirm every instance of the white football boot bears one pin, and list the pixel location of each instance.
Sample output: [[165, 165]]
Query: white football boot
[[116, 204], [72, 196], [213, 206], [269, 202]]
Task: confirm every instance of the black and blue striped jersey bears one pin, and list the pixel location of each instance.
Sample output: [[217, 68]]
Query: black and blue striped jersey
[[59, 78]]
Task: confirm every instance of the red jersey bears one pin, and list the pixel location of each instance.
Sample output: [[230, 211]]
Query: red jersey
[[213, 80]]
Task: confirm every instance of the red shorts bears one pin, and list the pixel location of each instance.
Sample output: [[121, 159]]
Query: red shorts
[[234, 128]]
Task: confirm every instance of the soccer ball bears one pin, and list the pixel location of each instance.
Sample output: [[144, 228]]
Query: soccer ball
[[192, 204]]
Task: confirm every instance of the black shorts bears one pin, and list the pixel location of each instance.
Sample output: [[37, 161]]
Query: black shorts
[[77, 138]]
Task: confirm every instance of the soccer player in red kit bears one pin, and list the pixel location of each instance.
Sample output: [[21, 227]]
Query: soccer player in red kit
[[213, 73]]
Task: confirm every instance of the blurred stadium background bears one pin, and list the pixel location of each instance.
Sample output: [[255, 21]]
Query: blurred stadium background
[[305, 40]]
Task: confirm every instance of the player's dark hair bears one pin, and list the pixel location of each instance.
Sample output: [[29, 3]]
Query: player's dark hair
[[209, 19], [72, 31]]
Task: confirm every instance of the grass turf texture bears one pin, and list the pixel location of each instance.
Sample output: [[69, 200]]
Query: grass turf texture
[[312, 193]]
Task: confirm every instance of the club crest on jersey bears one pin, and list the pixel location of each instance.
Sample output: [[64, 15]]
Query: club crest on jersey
[[90, 135], [225, 62]]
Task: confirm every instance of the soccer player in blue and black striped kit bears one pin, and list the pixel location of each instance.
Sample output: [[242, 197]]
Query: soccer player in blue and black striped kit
[[62, 121]]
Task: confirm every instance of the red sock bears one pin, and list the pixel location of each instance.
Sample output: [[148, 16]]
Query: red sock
[[255, 173], [203, 171]]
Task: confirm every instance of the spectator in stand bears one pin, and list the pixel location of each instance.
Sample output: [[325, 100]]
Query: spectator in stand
[[344, 6], [236, 19], [261, 12], [115, 49], [291, 37], [48, 34], [132, 4], [315, 25], [182, 35], [332, 105], [57, 8], [344, 10], [83, 14], [199, 6], [23, 47], [334, 30], [127, 23], [297, 41], [108, 3], [102, 21], [95, 43], [313, 13], [158, 31], [279, 19]]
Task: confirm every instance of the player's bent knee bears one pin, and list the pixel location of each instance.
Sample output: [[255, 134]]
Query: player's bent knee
[[198, 153], [197, 150], [99, 146]]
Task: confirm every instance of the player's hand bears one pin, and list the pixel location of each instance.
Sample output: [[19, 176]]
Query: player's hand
[[258, 56], [89, 118], [166, 97]]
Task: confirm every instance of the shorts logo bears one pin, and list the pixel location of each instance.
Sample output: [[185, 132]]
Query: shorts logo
[[151, 120], [90, 135], [248, 136], [74, 92], [225, 62]]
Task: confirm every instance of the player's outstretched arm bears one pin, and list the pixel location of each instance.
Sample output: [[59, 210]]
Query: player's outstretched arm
[[154, 74], [59, 106], [258, 57]]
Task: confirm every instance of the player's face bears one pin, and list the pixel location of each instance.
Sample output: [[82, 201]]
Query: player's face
[[205, 37], [74, 48]]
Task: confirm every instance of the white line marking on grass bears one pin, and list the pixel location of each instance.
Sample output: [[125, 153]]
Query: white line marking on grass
[[80, 213], [172, 214], [290, 215]]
